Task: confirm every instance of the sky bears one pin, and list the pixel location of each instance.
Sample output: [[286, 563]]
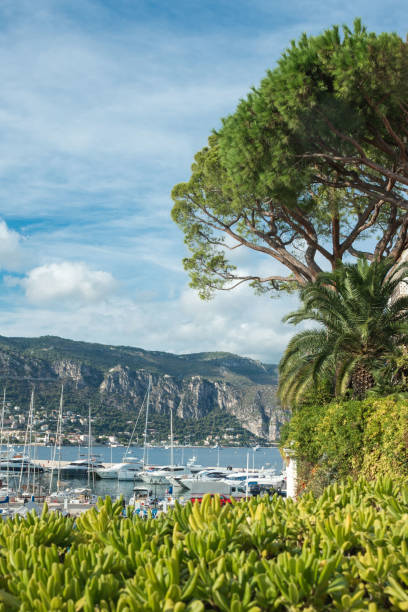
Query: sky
[[103, 104]]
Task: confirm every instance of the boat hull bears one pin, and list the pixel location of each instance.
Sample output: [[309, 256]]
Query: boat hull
[[70, 473], [201, 487], [25, 468]]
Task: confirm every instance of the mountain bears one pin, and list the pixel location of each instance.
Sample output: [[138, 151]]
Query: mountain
[[205, 390]]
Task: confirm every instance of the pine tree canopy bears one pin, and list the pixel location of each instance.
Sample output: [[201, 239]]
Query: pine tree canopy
[[311, 169]]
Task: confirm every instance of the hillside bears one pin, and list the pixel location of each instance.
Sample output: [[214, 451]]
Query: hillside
[[201, 388]]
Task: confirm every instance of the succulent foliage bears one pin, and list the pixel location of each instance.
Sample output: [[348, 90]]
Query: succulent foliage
[[347, 550]]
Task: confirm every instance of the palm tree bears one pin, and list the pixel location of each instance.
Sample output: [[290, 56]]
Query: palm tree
[[362, 319]]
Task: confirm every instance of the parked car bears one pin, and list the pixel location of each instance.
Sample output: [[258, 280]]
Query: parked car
[[224, 499]]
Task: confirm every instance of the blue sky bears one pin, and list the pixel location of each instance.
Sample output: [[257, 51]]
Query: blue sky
[[102, 107]]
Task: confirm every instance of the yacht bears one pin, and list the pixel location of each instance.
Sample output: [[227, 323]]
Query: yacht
[[263, 478], [205, 481], [131, 472], [161, 474], [197, 486], [79, 468], [112, 471], [126, 470], [19, 463]]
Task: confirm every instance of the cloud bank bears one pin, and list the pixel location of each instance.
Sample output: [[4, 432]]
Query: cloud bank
[[102, 107]]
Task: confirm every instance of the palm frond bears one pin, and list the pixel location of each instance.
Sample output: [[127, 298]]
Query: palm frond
[[360, 319]]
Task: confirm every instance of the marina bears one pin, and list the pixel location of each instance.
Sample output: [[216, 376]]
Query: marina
[[66, 490], [34, 474], [67, 479]]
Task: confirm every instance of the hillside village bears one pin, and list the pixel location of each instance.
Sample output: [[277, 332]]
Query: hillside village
[[75, 425]]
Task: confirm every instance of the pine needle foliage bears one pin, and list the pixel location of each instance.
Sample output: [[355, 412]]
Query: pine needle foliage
[[362, 320]]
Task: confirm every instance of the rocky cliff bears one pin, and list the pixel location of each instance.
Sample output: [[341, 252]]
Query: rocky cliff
[[193, 386]]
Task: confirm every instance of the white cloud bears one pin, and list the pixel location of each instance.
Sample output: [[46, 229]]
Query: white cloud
[[10, 248], [67, 281]]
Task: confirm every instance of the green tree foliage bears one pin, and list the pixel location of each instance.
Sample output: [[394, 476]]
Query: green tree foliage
[[362, 319], [312, 162]]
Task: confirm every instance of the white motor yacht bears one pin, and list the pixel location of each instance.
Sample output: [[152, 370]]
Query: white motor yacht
[[162, 474], [202, 486], [206, 481], [120, 471], [132, 470], [112, 471]]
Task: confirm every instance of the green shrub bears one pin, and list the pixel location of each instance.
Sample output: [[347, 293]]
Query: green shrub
[[346, 550], [350, 437]]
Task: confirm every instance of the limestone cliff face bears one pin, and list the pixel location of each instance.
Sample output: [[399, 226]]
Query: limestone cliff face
[[117, 377], [256, 407], [76, 371]]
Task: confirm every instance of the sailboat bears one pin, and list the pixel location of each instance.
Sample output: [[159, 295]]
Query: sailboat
[[83, 468], [57, 446], [23, 462], [5, 490], [161, 474], [130, 467]]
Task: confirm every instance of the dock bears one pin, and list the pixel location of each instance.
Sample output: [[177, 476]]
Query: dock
[[72, 509]]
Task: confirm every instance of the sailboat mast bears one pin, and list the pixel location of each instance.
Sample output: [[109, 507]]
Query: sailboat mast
[[60, 437], [27, 440], [2, 422], [147, 418], [57, 446], [171, 438], [247, 476], [89, 444], [2, 455], [30, 451]]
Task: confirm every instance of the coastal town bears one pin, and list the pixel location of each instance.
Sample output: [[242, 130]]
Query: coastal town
[[73, 426]]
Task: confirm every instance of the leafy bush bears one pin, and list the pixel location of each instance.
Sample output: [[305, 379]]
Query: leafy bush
[[347, 550], [362, 438]]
